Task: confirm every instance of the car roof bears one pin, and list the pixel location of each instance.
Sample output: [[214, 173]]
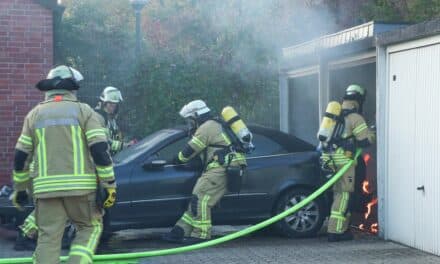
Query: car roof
[[288, 141]]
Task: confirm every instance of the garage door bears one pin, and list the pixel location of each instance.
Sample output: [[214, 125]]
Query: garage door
[[413, 158]]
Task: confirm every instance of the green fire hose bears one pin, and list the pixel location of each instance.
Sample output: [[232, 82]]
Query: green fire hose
[[132, 258]]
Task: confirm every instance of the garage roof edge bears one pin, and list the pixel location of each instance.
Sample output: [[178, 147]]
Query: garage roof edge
[[412, 32]]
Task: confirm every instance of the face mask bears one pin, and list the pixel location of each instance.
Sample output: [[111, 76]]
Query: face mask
[[192, 126]]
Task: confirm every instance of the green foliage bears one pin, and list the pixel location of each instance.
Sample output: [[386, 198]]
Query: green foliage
[[224, 52], [185, 56], [401, 10]]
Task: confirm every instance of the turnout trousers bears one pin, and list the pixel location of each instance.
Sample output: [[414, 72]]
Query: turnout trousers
[[340, 211], [51, 216], [209, 189]]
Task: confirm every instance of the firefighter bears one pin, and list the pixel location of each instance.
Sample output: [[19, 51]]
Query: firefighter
[[69, 148], [355, 134], [211, 143], [108, 108]]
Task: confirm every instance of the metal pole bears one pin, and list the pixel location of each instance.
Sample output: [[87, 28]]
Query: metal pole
[[138, 32]]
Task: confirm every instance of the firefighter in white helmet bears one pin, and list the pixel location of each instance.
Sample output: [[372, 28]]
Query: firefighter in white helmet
[[64, 179], [214, 147], [108, 108]]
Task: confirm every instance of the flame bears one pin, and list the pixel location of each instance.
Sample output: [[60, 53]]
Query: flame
[[369, 205], [367, 158], [374, 228], [365, 185]]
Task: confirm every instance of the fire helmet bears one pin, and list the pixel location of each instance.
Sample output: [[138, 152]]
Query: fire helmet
[[355, 92], [61, 77], [194, 109], [111, 95]]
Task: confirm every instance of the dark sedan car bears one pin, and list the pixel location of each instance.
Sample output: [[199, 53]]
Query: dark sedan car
[[281, 172]]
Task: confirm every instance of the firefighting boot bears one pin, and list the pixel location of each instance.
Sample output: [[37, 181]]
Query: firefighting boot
[[22, 242], [193, 240], [174, 236], [347, 235]]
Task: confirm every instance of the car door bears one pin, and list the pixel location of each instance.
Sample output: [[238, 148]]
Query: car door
[[160, 193], [270, 167]]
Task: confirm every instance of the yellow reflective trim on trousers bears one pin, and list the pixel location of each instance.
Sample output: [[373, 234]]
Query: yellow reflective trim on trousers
[[187, 219], [83, 252], [198, 142], [29, 225], [344, 202], [342, 208], [204, 205], [81, 255], [93, 241], [41, 150]]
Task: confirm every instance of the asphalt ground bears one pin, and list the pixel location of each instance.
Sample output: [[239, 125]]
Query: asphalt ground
[[262, 247]]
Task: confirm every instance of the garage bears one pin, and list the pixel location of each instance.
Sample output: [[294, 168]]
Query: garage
[[399, 65], [409, 178], [319, 71]]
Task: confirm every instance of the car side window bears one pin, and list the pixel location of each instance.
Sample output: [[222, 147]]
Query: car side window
[[265, 146], [171, 150]]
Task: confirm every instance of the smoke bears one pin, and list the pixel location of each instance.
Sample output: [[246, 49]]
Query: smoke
[[251, 33], [267, 26]]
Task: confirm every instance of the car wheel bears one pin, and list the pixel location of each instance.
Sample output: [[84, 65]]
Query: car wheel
[[304, 223]]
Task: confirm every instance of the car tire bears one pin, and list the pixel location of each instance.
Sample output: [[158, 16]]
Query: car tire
[[307, 221]]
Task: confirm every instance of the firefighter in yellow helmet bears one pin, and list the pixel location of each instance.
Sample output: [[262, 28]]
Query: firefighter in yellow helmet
[[68, 146], [354, 134], [212, 144], [108, 108]]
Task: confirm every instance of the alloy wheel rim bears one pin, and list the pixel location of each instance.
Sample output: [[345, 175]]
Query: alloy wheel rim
[[306, 218]]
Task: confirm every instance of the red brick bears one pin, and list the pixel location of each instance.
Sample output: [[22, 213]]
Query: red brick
[[26, 52]]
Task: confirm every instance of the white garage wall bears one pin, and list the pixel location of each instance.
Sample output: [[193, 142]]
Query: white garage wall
[[413, 160]]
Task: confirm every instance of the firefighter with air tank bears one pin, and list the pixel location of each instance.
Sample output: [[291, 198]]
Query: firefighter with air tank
[[222, 144], [342, 130]]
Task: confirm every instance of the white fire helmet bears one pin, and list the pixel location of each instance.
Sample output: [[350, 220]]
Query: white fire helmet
[[111, 94], [65, 72], [194, 109]]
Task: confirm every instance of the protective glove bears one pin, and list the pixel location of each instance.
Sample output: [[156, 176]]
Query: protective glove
[[19, 199], [110, 197]]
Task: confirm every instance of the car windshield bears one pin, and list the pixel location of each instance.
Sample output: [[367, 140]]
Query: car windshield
[[143, 146]]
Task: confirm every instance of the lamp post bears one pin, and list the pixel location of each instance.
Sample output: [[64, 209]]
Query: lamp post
[[137, 6]]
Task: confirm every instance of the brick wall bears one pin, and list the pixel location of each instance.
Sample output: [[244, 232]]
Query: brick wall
[[26, 54]]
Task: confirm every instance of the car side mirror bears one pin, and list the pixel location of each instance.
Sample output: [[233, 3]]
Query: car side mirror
[[154, 165]]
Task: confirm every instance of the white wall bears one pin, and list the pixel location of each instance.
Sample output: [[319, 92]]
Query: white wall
[[412, 137]]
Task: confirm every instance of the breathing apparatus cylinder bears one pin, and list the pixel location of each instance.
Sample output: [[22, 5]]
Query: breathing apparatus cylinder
[[237, 126], [329, 122]]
